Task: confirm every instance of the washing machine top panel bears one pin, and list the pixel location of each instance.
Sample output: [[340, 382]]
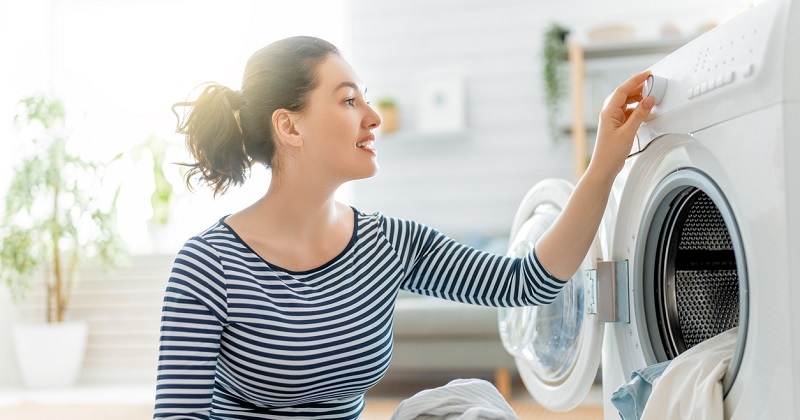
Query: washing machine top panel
[[557, 347], [741, 66]]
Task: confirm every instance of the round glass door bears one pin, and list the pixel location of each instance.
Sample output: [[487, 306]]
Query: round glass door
[[556, 346]]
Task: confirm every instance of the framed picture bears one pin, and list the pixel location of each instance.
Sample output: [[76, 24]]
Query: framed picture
[[441, 107]]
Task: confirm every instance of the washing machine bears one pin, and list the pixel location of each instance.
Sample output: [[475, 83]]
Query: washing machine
[[701, 233]]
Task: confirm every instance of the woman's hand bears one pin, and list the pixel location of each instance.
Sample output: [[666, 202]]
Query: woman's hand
[[563, 247], [618, 125]]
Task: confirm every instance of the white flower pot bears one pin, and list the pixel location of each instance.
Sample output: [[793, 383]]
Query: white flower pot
[[50, 355]]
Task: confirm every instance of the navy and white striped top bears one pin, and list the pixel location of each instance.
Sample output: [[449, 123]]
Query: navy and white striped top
[[244, 339]]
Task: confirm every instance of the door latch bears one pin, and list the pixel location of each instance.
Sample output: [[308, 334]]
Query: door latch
[[607, 291]]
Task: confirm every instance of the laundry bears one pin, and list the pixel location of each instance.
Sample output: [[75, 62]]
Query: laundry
[[461, 399], [631, 398], [688, 387]]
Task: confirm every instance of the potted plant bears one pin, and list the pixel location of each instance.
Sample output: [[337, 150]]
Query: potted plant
[[54, 221], [153, 152], [387, 108], [163, 194], [554, 55]]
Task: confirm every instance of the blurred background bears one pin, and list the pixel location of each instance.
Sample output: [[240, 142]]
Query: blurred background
[[478, 121]]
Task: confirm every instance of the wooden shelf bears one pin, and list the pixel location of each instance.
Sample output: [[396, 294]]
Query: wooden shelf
[[634, 47]]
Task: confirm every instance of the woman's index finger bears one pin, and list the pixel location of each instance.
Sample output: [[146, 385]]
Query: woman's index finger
[[630, 88]]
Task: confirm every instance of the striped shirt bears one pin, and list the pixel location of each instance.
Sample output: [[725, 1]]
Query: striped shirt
[[244, 339]]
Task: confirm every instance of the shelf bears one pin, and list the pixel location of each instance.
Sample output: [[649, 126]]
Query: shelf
[[633, 47]]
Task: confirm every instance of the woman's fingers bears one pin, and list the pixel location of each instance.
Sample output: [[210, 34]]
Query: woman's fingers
[[619, 121], [637, 116], [629, 90], [637, 95]]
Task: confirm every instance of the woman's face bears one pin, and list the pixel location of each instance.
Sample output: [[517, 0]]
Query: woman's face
[[337, 124]]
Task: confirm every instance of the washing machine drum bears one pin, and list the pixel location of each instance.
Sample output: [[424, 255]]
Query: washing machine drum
[[692, 281], [693, 268]]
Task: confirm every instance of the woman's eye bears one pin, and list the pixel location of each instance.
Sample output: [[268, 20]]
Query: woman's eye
[[350, 102]]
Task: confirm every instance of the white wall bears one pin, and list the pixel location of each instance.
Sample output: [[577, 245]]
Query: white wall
[[26, 69], [471, 182]]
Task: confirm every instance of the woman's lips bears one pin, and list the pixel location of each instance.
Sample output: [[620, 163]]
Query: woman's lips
[[367, 146]]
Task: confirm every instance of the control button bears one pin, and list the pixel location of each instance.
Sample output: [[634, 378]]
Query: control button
[[748, 70], [656, 87]]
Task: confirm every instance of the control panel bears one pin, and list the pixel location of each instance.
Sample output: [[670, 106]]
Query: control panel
[[719, 75]]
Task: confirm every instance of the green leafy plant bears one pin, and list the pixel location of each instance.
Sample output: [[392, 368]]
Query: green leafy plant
[[386, 102], [554, 54], [54, 217], [163, 195]]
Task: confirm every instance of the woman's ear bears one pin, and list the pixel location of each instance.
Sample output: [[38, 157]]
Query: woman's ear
[[284, 124]]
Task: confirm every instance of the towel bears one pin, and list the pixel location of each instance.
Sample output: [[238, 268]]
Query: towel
[[631, 398], [462, 399], [691, 386]]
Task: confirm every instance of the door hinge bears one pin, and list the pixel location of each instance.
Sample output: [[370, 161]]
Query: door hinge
[[607, 291]]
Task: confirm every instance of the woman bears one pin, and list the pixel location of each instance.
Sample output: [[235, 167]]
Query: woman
[[284, 308]]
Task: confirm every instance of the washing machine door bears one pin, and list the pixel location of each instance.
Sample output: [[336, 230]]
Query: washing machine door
[[557, 347]]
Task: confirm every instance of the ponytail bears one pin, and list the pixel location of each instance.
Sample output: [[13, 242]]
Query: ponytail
[[227, 131], [214, 138]]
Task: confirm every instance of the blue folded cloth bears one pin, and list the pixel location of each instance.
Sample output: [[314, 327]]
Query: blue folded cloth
[[630, 399]]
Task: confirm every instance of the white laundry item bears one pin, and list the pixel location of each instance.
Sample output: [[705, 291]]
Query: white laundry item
[[691, 386], [462, 399]]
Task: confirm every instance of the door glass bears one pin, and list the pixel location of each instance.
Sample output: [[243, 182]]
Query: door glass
[[546, 338]]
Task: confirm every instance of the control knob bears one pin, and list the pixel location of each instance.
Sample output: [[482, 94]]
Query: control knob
[[656, 87]]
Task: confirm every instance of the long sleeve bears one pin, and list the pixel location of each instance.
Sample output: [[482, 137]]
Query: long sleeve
[[439, 266], [192, 321]]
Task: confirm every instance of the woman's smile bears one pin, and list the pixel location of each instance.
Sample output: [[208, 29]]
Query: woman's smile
[[368, 144]]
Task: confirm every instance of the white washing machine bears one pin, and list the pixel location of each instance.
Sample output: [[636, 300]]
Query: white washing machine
[[701, 233]]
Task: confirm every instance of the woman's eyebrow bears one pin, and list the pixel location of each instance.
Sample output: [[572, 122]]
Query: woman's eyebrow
[[349, 84]]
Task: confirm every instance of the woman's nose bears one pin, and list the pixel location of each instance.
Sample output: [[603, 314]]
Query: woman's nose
[[373, 119]]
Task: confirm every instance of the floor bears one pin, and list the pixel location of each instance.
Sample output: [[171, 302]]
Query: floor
[[85, 402], [135, 403]]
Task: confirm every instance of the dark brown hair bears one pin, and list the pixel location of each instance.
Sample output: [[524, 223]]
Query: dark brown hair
[[227, 131]]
